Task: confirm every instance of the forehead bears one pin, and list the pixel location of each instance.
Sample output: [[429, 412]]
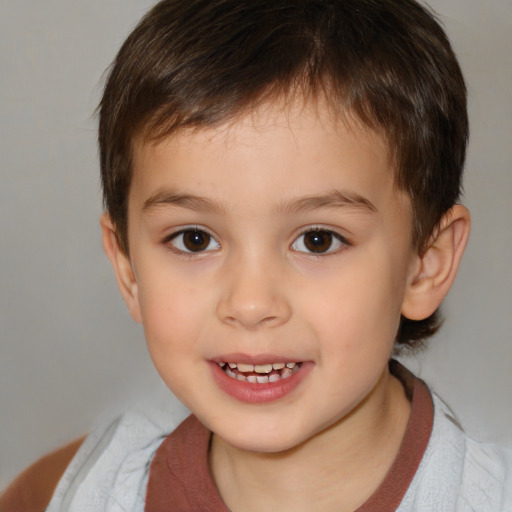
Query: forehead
[[289, 109], [294, 147]]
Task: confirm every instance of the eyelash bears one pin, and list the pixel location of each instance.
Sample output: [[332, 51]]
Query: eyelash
[[181, 249], [335, 238]]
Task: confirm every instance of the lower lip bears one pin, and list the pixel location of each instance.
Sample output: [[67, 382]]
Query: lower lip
[[259, 393]]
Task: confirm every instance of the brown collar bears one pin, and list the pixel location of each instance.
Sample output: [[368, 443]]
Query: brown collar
[[180, 480]]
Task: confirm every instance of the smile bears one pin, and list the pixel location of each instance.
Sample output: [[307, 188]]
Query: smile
[[259, 373], [259, 381]]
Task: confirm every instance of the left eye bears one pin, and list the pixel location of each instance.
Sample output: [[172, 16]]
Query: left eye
[[318, 241], [194, 240]]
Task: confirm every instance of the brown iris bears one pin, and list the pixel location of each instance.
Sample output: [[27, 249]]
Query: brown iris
[[195, 240], [318, 241]]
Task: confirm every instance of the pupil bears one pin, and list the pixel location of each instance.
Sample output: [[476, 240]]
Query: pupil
[[196, 240], [318, 241]]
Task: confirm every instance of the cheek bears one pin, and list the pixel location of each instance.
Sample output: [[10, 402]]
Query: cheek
[[170, 312], [170, 329], [359, 309]]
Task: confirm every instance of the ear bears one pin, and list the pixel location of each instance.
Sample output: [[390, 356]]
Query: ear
[[122, 267], [436, 268]]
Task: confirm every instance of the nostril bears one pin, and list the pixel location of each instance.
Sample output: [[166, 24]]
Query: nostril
[[268, 319]]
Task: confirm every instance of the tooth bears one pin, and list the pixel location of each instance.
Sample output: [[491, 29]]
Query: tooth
[[231, 374], [278, 366], [274, 377], [290, 365], [287, 372], [241, 377], [245, 367], [252, 379], [263, 368], [232, 365], [262, 379], [221, 364]]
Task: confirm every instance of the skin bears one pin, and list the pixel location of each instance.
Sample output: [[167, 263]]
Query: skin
[[255, 186]]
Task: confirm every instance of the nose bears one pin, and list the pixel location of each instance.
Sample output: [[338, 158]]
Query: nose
[[253, 296]]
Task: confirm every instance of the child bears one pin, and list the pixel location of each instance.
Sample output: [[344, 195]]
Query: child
[[281, 182]]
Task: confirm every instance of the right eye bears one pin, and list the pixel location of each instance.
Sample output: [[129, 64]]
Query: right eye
[[193, 240]]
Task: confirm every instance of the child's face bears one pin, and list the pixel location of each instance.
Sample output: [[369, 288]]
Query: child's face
[[279, 238]]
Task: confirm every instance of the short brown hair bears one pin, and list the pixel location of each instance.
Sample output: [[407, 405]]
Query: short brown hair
[[197, 63]]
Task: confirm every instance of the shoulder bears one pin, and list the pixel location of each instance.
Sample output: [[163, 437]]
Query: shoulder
[[487, 477], [458, 473], [32, 490], [111, 469]]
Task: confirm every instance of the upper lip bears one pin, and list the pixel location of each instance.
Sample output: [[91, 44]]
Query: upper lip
[[255, 359]]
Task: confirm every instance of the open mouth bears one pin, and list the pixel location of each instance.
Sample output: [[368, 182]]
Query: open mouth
[[259, 373]]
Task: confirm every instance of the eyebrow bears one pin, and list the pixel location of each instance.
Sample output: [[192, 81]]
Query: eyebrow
[[189, 201], [334, 199]]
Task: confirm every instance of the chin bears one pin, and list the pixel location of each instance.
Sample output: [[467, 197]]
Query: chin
[[262, 439], [268, 446]]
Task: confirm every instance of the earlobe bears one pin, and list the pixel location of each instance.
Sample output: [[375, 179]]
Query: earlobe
[[122, 267], [437, 267]]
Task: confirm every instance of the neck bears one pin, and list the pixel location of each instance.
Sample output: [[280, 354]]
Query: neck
[[338, 469]]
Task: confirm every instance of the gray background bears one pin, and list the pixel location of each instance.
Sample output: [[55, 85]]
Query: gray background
[[69, 352]]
